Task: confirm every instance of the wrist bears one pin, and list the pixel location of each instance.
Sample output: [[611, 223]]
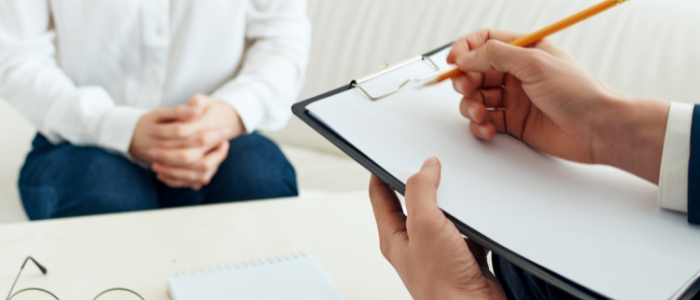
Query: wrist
[[231, 119], [629, 134], [487, 294], [485, 287]]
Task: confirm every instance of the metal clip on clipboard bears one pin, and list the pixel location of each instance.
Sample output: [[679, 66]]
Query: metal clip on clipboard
[[384, 69]]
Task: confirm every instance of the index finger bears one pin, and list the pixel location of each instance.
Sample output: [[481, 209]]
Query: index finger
[[477, 39], [175, 130], [178, 113], [387, 211]]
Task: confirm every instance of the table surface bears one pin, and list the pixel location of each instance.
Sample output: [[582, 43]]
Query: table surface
[[140, 250]]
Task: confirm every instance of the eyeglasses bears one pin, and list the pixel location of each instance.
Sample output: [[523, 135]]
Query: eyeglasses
[[10, 296]]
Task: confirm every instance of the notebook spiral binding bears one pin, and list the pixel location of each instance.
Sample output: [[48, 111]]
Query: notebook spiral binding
[[272, 260]]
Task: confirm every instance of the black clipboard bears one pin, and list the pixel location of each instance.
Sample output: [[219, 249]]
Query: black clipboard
[[573, 288]]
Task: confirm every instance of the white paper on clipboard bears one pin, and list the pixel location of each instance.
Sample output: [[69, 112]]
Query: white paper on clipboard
[[595, 225]]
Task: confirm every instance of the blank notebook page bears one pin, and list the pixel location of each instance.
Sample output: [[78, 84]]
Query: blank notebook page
[[595, 225], [299, 277]]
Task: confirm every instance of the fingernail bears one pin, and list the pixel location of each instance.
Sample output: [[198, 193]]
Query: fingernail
[[465, 59], [429, 163], [458, 88], [484, 131], [471, 112]]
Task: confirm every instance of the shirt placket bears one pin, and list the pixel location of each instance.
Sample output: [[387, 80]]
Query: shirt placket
[[156, 20]]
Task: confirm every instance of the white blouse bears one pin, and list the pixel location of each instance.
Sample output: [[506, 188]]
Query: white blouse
[[85, 71]]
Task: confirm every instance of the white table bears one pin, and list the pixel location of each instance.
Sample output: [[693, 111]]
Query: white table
[[140, 250]]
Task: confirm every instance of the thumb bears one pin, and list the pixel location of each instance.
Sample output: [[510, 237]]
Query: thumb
[[421, 189], [523, 63]]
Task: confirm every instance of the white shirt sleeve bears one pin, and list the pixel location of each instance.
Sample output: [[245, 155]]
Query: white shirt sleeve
[[673, 176], [274, 67], [31, 80]]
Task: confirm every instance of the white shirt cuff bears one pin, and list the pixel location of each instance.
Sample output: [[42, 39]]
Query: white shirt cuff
[[117, 128], [250, 109], [673, 176]]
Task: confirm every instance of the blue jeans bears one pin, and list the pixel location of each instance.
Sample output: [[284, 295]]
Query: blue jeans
[[66, 180]]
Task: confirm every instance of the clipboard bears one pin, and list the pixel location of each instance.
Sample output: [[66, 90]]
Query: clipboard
[[300, 110]]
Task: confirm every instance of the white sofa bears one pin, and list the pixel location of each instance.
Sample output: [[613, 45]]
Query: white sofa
[[645, 47]]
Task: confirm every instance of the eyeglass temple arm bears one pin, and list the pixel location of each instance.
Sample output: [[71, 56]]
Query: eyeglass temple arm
[[42, 268]]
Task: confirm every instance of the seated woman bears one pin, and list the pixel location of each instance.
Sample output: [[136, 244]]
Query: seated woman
[[149, 104]]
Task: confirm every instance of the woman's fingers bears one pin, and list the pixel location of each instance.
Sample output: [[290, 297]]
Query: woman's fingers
[[176, 157], [198, 173], [175, 130], [206, 139], [187, 151], [181, 174], [178, 113], [175, 183]]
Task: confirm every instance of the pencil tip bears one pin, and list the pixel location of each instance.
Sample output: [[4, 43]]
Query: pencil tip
[[429, 83]]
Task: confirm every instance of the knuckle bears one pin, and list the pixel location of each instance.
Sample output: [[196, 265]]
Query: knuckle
[[385, 248], [195, 177], [205, 178], [539, 57], [191, 157], [537, 62], [416, 179], [547, 43], [224, 155], [201, 166], [179, 131], [183, 156], [186, 176], [202, 140], [492, 49], [208, 163], [167, 171]]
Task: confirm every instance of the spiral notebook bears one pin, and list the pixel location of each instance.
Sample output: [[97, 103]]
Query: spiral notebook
[[296, 277]]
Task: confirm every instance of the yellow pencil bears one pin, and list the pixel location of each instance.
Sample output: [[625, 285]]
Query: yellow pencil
[[541, 34]]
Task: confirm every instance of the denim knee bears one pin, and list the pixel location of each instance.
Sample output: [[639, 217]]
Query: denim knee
[[255, 168], [65, 180]]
